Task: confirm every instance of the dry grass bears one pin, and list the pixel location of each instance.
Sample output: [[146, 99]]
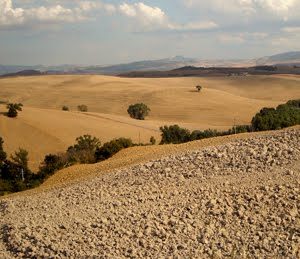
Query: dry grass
[[43, 128]]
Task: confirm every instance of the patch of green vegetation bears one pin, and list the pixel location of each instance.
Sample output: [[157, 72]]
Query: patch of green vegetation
[[15, 175]]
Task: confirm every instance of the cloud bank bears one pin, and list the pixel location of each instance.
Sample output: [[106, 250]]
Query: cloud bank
[[145, 17]]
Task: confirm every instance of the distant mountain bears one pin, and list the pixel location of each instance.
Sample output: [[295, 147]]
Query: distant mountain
[[290, 58], [161, 64], [29, 72]]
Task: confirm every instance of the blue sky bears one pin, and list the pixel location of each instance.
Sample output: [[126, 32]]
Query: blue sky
[[53, 32]]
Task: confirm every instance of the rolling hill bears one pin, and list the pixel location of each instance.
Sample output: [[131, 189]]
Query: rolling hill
[[43, 128]]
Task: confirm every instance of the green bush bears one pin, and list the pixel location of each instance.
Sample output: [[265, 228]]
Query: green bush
[[112, 147], [84, 149], [239, 129], [198, 134], [294, 103], [51, 164], [2, 152], [138, 111], [82, 108], [65, 108], [174, 134], [20, 158], [285, 115], [13, 109], [152, 140]]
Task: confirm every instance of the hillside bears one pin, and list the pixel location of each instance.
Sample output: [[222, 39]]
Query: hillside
[[43, 128], [282, 58], [237, 196]]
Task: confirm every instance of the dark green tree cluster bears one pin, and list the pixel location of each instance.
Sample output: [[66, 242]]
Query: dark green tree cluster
[[84, 150], [138, 111], [112, 147], [174, 134], [13, 109], [14, 173], [285, 115]]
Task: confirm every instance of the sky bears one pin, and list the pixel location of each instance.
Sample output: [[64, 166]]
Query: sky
[[102, 32]]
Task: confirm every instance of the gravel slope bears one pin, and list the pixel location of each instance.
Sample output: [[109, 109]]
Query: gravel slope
[[240, 199]]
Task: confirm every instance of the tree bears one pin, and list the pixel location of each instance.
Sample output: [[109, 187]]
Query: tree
[[13, 109], [152, 140], [199, 88], [112, 147], [82, 108], [65, 108], [84, 150], [285, 115], [174, 134], [51, 164], [20, 157], [138, 111], [2, 153]]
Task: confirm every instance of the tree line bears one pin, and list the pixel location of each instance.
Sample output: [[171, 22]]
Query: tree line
[[16, 176]]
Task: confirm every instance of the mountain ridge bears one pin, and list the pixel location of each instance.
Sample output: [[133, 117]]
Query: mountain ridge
[[165, 64]]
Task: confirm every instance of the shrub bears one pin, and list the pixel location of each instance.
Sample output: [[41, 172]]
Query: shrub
[[198, 134], [84, 150], [174, 134], [294, 103], [2, 152], [13, 109], [82, 108], [152, 140], [239, 129], [65, 108], [199, 88], [51, 164], [20, 158], [285, 115], [112, 147], [138, 111]]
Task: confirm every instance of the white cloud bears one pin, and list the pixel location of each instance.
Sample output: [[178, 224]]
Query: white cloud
[[291, 29], [155, 18], [231, 39], [87, 6], [11, 16], [204, 25], [144, 17], [239, 38], [147, 15], [282, 8]]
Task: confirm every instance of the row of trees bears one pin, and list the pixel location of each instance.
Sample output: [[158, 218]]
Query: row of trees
[[285, 115], [16, 176]]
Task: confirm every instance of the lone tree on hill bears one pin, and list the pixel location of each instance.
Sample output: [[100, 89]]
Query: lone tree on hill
[[13, 109], [82, 108], [138, 111], [199, 88]]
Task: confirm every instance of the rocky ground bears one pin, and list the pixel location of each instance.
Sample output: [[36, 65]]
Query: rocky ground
[[238, 200]]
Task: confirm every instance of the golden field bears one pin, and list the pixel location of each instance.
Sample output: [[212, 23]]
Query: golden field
[[43, 128]]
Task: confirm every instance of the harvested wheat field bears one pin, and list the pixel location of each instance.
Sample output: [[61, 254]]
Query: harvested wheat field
[[235, 196], [43, 128]]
